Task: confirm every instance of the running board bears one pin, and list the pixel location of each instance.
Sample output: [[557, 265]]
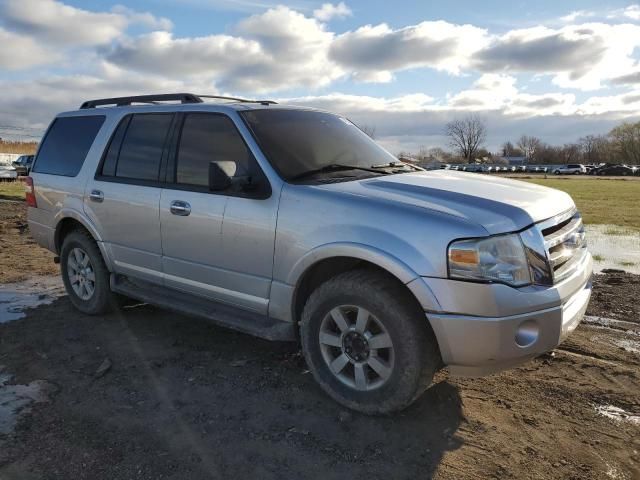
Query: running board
[[221, 314]]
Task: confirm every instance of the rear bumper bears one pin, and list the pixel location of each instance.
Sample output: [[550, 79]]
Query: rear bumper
[[480, 345]]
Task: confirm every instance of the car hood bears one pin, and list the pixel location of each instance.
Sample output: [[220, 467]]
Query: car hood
[[499, 205]]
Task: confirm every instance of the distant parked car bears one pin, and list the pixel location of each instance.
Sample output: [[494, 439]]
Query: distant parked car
[[474, 168], [571, 169], [7, 173], [23, 164], [621, 170]]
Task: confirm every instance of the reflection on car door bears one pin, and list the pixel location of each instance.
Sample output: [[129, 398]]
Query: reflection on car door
[[124, 198], [217, 244]]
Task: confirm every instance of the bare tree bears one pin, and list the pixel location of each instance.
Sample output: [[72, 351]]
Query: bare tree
[[529, 146], [466, 135], [369, 130], [625, 140], [571, 152], [508, 150]]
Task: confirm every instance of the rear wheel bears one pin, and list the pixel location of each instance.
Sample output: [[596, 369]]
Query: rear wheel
[[367, 342], [85, 275]]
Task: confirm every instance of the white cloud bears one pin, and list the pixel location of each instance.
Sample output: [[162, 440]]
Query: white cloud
[[161, 53], [578, 56], [55, 22], [632, 12], [329, 11], [573, 16], [370, 50], [146, 19], [275, 50], [631, 78], [50, 21], [19, 52], [491, 91]]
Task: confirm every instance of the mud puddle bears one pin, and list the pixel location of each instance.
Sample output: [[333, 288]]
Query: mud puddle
[[16, 400], [614, 247], [16, 297], [617, 414]]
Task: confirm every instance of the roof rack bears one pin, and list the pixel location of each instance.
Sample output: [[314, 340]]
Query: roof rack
[[165, 97], [122, 101]]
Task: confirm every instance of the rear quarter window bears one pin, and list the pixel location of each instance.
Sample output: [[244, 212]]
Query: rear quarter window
[[66, 144]]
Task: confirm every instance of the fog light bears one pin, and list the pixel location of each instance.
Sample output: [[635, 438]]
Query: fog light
[[527, 333]]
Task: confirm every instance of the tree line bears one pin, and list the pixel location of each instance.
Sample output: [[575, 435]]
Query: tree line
[[467, 135]]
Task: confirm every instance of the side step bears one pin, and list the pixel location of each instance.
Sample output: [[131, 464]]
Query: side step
[[221, 314]]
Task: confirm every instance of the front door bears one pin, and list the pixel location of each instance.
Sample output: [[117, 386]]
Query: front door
[[217, 244]]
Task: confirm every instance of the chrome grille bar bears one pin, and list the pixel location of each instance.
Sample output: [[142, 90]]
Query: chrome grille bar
[[565, 233], [564, 243]]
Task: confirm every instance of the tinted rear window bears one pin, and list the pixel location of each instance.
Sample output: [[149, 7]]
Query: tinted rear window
[[141, 150], [66, 145]]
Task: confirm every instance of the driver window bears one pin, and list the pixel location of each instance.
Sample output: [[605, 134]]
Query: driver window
[[209, 138]]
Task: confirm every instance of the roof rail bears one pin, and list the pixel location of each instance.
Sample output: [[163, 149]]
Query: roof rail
[[164, 97], [242, 100]]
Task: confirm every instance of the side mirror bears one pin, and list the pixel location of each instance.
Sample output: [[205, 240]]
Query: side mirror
[[218, 178]]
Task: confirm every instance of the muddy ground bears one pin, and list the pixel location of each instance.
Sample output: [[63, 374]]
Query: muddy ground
[[145, 393]]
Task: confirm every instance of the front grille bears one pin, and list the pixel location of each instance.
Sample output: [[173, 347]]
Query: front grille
[[564, 242]]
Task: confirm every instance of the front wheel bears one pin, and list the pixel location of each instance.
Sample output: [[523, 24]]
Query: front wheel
[[557, 172], [367, 343]]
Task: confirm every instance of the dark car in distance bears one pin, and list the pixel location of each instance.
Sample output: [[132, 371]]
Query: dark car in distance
[[613, 170], [23, 165]]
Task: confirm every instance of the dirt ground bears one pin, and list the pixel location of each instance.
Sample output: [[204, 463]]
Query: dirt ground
[[149, 394], [19, 256]]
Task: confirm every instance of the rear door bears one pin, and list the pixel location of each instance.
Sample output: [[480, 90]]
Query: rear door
[[217, 244], [124, 197]]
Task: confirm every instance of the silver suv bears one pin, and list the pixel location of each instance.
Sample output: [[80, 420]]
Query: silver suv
[[571, 169], [292, 224]]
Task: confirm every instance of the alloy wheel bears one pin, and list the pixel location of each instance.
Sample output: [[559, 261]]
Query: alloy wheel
[[81, 274], [356, 347]]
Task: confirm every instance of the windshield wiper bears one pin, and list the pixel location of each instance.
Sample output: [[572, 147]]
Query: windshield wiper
[[334, 167], [396, 165]]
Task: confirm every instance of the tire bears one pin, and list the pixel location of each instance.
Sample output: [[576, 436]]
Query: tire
[[557, 172], [411, 360], [101, 300]]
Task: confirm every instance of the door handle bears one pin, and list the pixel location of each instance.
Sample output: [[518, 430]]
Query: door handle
[[96, 196], [178, 207]]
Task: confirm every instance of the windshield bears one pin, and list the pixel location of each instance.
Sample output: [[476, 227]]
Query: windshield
[[301, 141]]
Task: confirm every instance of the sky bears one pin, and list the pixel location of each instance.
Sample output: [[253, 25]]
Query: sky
[[557, 70]]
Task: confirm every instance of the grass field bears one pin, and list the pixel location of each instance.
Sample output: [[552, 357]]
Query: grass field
[[612, 202], [604, 201], [11, 191]]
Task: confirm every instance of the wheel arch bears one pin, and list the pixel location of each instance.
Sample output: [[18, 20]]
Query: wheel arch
[[69, 220], [325, 262]]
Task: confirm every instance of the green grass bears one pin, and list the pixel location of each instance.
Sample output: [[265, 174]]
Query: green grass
[[626, 263], [611, 202], [11, 190], [598, 258]]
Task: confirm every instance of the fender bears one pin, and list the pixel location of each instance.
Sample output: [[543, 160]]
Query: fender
[[86, 223], [361, 251], [384, 260]]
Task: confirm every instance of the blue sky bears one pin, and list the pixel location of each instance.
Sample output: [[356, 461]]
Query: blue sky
[[557, 70]]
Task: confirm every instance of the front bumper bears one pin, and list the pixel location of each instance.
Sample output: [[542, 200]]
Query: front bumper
[[473, 345]]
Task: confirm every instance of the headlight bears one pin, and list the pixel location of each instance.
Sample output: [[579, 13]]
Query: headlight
[[493, 259]]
